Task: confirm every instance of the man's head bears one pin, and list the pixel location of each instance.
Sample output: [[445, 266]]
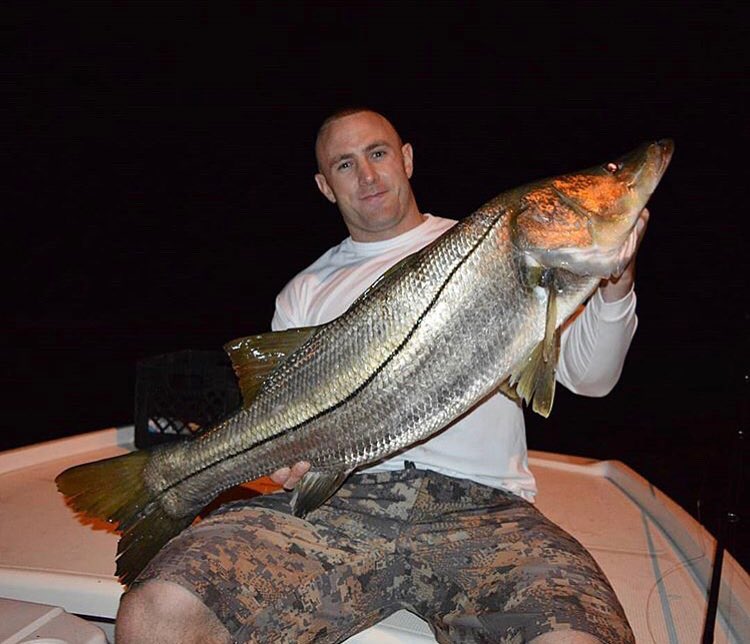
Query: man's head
[[364, 168]]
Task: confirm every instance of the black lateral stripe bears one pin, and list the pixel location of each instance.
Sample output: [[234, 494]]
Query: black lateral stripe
[[366, 382]]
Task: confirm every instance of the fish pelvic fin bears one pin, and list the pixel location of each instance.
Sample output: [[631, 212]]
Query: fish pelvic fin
[[114, 490], [254, 357], [534, 377], [315, 488]]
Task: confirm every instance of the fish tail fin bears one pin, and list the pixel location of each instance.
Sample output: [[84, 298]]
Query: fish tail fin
[[111, 489], [114, 490], [141, 540]]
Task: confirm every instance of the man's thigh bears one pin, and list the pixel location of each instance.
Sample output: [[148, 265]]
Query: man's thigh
[[497, 569], [269, 575]]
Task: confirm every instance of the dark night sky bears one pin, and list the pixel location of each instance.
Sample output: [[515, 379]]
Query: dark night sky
[[161, 189]]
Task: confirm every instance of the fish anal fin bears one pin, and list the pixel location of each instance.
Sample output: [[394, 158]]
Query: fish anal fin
[[254, 357], [315, 488]]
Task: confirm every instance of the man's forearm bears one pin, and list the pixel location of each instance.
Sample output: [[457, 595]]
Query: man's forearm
[[594, 347]]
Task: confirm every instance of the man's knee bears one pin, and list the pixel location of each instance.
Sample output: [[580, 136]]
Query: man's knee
[[164, 612]]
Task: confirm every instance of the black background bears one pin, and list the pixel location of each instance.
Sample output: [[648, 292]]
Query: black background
[[160, 191]]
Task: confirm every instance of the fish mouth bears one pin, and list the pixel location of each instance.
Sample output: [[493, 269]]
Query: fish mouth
[[658, 155], [667, 149]]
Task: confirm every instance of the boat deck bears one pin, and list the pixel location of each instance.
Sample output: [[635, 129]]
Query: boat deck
[[657, 557]]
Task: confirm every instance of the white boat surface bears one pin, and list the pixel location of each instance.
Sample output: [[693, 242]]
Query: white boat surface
[[657, 557]]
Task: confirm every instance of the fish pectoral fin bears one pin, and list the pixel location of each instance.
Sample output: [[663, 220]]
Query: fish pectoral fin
[[531, 273], [534, 377], [254, 357], [314, 489], [509, 391]]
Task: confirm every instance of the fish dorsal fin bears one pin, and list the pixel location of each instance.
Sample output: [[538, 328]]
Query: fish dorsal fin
[[534, 377], [255, 356], [315, 488]]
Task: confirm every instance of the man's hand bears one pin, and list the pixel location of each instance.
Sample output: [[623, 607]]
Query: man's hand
[[615, 288], [290, 476]]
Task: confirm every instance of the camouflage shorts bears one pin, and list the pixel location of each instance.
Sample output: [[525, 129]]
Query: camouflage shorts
[[479, 564]]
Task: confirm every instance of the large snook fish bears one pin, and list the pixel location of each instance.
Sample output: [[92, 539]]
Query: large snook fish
[[478, 309]]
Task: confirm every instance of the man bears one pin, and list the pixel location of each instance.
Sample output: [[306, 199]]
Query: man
[[443, 529]]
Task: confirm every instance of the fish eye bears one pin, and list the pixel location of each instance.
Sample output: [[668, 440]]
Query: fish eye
[[613, 167]]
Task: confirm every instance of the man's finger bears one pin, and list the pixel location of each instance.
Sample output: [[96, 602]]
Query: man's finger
[[281, 475], [298, 471], [631, 245], [641, 224]]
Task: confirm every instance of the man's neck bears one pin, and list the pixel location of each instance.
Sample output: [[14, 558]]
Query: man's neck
[[403, 226]]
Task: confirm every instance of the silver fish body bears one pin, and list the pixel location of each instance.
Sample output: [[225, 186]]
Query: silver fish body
[[407, 359]]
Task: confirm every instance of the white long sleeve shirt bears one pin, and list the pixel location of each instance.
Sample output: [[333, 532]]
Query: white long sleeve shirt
[[487, 445]]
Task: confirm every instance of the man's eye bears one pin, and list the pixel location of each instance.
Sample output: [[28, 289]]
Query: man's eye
[[344, 165], [378, 154]]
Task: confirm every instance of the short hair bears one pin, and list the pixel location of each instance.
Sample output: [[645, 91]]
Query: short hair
[[348, 111], [341, 113]]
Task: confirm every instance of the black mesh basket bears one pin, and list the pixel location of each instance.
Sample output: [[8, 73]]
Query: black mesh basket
[[177, 395]]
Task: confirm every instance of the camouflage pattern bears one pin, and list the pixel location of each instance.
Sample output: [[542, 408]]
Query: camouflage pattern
[[479, 564]]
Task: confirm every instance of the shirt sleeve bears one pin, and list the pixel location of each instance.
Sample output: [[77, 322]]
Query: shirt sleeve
[[287, 313], [594, 346]]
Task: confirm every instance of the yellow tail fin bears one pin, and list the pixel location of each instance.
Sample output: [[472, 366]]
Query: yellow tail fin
[[114, 490]]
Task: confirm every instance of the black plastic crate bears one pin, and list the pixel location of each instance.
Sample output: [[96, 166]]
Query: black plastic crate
[[177, 395]]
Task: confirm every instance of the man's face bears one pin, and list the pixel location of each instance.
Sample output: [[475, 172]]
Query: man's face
[[365, 170]]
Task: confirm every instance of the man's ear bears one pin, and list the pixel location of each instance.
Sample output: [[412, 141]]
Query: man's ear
[[323, 186], [408, 153]]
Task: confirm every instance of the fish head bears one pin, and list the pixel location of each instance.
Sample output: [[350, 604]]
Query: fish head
[[581, 222]]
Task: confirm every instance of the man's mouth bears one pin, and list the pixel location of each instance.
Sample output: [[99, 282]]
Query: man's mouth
[[372, 195]]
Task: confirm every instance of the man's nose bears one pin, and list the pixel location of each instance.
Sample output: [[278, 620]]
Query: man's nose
[[366, 172]]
